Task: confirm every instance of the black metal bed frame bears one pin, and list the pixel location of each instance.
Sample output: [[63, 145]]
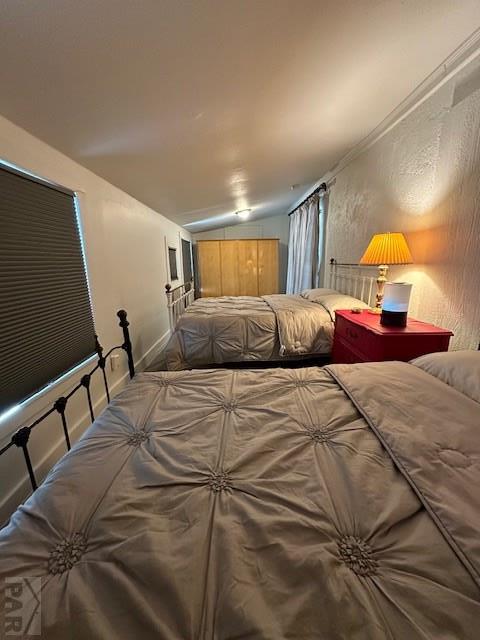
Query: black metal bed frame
[[21, 436]]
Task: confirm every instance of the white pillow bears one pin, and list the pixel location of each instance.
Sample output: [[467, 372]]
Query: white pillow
[[459, 369], [316, 295], [336, 301]]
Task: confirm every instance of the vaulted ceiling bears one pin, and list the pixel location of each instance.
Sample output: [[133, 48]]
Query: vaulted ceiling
[[199, 108]]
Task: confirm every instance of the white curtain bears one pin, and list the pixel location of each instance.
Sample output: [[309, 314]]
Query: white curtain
[[303, 247]]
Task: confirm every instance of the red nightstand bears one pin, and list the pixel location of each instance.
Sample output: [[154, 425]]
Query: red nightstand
[[359, 337]]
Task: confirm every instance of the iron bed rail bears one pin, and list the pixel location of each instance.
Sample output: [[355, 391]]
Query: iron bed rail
[[178, 299], [353, 279], [21, 436]]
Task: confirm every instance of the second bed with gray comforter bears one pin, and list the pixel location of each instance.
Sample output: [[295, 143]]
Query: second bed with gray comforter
[[247, 329]]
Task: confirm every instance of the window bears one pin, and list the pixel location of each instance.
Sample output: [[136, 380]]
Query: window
[[172, 261], [46, 324]]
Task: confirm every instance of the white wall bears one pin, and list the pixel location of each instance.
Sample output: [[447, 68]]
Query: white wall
[[423, 178], [271, 227], [127, 267]]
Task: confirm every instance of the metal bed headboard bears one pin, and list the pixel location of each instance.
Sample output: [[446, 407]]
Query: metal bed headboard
[[178, 299], [355, 280], [21, 436]]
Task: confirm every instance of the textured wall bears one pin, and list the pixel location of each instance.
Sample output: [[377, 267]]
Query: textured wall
[[423, 178]]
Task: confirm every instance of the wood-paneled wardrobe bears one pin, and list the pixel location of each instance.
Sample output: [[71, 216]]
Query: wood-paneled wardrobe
[[237, 267]]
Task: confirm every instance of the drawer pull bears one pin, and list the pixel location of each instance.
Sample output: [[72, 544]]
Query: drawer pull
[[352, 334]]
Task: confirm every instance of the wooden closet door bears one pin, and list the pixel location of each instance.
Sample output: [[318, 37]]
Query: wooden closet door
[[267, 267], [208, 252], [228, 272], [247, 268]]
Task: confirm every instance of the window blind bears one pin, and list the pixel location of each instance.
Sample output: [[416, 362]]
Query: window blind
[[46, 324]]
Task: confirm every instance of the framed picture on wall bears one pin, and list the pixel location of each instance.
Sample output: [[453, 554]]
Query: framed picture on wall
[[172, 262]]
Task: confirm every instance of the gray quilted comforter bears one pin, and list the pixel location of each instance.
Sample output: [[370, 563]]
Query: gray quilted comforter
[[245, 328], [338, 503]]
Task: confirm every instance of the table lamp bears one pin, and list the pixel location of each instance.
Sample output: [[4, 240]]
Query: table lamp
[[385, 249]]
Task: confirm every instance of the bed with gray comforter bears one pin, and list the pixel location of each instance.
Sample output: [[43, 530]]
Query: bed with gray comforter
[[335, 503], [245, 328]]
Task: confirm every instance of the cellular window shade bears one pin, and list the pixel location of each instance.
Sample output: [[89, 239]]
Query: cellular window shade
[[46, 324]]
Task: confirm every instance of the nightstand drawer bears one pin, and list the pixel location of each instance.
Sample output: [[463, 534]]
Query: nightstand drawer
[[344, 353], [353, 334], [361, 338]]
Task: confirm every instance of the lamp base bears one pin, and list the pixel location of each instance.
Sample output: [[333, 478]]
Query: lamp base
[[376, 311]]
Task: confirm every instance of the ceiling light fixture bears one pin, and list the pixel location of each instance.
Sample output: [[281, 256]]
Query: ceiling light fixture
[[244, 213]]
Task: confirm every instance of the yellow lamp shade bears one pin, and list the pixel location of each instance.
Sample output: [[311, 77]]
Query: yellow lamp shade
[[387, 248]]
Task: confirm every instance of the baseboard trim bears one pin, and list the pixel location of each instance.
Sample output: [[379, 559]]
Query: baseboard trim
[[152, 352]]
